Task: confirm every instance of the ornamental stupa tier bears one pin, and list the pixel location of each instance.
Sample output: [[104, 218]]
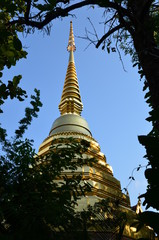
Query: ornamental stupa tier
[[71, 125]]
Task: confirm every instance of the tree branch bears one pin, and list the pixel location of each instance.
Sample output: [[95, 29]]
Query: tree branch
[[26, 15], [62, 12], [58, 12], [108, 34], [62, 1]]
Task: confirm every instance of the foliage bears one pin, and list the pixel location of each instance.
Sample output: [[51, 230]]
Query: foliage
[[10, 49], [37, 200], [33, 203], [24, 123], [106, 219], [151, 144], [149, 218]]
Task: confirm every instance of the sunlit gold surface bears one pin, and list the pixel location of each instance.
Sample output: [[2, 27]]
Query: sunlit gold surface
[[100, 175], [72, 125], [71, 99], [71, 42]]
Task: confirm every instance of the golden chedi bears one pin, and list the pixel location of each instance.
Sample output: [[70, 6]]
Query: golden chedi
[[71, 125]]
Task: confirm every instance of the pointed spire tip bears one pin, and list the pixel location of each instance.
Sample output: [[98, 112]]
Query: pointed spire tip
[[71, 100], [71, 42]]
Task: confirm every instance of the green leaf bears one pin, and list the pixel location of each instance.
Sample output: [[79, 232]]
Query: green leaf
[[135, 64], [43, 7], [52, 2], [2, 89], [17, 43], [113, 49], [16, 80], [147, 95]]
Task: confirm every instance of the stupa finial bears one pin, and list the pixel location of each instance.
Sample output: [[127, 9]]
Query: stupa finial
[[71, 99], [71, 42]]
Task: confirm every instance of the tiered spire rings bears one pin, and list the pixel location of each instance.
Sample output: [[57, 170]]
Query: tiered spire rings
[[71, 99]]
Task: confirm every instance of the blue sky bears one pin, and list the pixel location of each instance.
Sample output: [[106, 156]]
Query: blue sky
[[114, 104]]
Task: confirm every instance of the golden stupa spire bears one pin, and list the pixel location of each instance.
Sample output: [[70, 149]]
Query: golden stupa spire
[[71, 99]]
